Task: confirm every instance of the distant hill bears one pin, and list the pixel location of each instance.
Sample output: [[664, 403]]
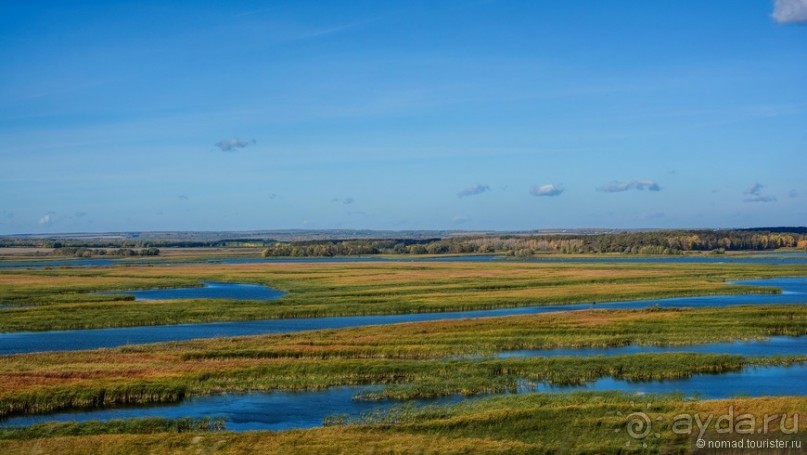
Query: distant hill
[[291, 235]]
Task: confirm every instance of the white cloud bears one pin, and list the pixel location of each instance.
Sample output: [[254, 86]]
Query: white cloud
[[473, 190], [346, 201], [790, 11], [46, 219], [755, 189], [760, 199], [546, 190], [641, 185], [754, 193], [229, 145]]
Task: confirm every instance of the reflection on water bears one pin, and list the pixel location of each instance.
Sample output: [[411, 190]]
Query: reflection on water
[[285, 410], [210, 290]]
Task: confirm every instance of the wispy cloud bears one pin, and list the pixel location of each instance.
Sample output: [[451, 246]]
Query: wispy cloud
[[546, 190], [315, 32], [473, 190], [334, 29], [641, 185], [760, 199], [182, 197], [460, 219], [790, 11], [754, 193], [793, 194], [755, 189], [229, 145], [346, 201], [46, 219]]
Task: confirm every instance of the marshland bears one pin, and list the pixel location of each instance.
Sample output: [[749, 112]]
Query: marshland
[[38, 298], [454, 366], [421, 227]]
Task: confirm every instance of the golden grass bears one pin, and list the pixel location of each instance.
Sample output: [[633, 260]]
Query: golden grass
[[62, 299], [319, 441], [402, 353]]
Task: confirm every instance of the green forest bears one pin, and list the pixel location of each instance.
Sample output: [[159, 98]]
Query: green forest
[[644, 243]]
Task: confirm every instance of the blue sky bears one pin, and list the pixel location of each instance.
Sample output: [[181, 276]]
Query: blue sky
[[509, 114]]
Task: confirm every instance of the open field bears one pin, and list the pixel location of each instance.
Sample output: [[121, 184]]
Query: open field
[[62, 299]]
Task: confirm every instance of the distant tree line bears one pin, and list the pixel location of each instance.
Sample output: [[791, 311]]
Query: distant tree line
[[69, 243], [89, 252], [787, 230], [328, 248], [642, 243]]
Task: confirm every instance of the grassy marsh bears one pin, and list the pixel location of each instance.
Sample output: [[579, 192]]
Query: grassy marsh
[[414, 360], [61, 298], [531, 423]]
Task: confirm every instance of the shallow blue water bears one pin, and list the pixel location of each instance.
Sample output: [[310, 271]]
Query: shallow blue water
[[779, 345], [28, 264], [772, 258], [283, 410], [751, 381], [794, 292], [244, 412], [786, 258], [210, 290], [90, 262]]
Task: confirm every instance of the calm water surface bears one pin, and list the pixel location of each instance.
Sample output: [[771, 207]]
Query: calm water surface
[[787, 258], [210, 290], [283, 410]]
